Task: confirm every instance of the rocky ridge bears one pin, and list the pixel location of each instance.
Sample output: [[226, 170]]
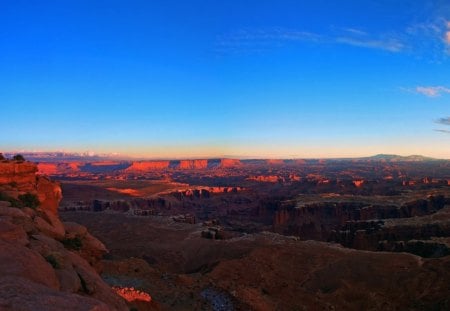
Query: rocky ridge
[[46, 264]]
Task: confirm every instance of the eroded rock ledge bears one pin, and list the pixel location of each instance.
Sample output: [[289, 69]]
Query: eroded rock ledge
[[46, 264]]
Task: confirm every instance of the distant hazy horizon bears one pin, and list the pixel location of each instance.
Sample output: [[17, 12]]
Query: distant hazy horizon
[[192, 79], [118, 156]]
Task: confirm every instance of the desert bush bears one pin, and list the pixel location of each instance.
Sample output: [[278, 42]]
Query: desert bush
[[30, 200], [14, 202]]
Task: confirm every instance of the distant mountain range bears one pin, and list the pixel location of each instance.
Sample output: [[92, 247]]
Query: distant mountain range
[[85, 157], [398, 158]]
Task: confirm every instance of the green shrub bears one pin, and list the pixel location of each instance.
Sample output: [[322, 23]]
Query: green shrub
[[73, 243], [52, 260], [30, 200]]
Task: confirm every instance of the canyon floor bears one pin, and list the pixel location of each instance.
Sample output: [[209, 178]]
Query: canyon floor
[[272, 235]]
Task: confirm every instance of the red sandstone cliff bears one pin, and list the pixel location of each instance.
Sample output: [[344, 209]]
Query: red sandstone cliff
[[193, 164], [143, 166], [229, 163], [58, 168], [46, 264]]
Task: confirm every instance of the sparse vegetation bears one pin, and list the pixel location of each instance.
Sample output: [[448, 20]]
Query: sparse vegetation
[[2, 157], [18, 158], [30, 200], [53, 261], [73, 243], [14, 202], [23, 200]]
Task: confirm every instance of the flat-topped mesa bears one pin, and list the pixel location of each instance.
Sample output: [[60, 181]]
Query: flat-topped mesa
[[230, 163], [19, 178], [143, 166], [193, 164], [49, 168]]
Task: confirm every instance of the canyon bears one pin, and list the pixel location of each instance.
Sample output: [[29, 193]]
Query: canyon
[[236, 234]]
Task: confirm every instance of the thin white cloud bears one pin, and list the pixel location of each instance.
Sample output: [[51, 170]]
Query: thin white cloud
[[429, 39], [390, 44], [263, 39], [255, 40], [432, 91], [355, 31]]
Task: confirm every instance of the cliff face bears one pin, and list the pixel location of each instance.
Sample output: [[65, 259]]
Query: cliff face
[[46, 264], [20, 178], [420, 227], [19, 173], [58, 168], [148, 165], [193, 164], [229, 163], [143, 166]]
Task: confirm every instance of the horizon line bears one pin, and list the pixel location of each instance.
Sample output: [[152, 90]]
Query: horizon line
[[119, 156]]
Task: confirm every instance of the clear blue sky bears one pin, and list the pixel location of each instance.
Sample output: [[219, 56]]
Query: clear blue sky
[[210, 78]]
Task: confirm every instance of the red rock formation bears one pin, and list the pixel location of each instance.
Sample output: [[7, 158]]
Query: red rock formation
[[43, 264], [143, 166], [269, 178], [49, 193], [19, 173], [105, 163], [19, 178], [358, 183], [193, 164], [230, 163], [58, 168], [132, 294]]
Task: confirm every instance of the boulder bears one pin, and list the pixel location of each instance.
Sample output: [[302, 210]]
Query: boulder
[[19, 261], [73, 230], [48, 229], [13, 212]]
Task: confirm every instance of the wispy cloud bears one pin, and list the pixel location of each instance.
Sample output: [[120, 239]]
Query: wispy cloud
[[429, 39], [251, 40], [443, 121], [355, 31], [443, 131], [390, 44], [263, 39], [432, 91]]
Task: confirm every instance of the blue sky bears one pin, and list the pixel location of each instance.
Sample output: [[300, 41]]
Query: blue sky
[[212, 78]]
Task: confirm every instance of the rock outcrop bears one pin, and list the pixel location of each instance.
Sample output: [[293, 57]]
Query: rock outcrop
[[45, 264], [230, 163], [143, 166], [193, 164]]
